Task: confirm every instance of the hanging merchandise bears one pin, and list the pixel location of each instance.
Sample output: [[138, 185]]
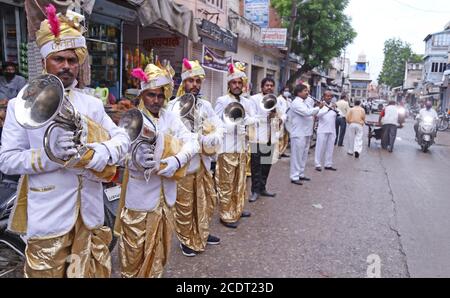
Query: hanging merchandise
[[23, 69]]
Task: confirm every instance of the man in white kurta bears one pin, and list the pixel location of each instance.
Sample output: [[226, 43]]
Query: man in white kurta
[[145, 224], [301, 121], [61, 209], [326, 135], [232, 160], [196, 194]]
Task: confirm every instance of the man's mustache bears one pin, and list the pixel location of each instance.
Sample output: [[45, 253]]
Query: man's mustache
[[65, 72]]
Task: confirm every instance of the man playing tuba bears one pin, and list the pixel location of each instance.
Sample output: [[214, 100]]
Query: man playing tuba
[[145, 223], [196, 195], [60, 209], [232, 159]]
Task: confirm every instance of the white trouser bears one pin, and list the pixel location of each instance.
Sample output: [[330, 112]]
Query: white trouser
[[325, 142], [355, 138], [299, 156]]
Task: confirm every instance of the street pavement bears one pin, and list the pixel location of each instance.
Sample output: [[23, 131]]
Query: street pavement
[[385, 214]]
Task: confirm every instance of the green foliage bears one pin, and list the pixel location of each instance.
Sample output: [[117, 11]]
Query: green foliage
[[396, 54], [324, 28]]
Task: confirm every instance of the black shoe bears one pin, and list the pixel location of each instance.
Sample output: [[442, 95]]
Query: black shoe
[[253, 197], [231, 225], [330, 169], [213, 240], [304, 179], [356, 154], [350, 154], [246, 214], [285, 155], [265, 193], [296, 182], [318, 169], [340, 145], [187, 251]]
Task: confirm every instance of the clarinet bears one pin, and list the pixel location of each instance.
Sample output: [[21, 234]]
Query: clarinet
[[325, 104]]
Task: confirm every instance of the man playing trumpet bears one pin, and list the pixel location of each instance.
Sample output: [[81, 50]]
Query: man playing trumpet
[[196, 195], [148, 196], [231, 162], [60, 209]]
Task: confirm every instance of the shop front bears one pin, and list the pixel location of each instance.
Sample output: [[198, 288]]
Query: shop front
[[13, 35]]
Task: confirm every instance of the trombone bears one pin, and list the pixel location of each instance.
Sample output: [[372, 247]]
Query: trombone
[[268, 104]]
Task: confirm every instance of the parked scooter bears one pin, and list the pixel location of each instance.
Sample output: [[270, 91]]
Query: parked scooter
[[426, 133], [8, 193]]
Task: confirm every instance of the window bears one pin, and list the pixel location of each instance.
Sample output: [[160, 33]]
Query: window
[[442, 67], [353, 92], [441, 40], [434, 67], [217, 3]]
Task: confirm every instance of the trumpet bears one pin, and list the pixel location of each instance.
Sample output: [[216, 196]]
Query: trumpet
[[187, 107], [325, 104], [41, 102], [140, 133]]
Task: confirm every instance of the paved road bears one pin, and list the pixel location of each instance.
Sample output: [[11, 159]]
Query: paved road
[[386, 207]]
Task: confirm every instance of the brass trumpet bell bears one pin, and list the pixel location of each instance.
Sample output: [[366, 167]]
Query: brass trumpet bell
[[234, 113]]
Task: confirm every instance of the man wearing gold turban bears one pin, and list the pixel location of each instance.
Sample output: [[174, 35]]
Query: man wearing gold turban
[[61, 209], [196, 195], [232, 159], [147, 200]]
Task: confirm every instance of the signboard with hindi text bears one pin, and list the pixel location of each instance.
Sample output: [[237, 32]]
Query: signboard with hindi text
[[274, 37], [215, 62]]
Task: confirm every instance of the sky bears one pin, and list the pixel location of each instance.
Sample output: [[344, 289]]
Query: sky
[[378, 20]]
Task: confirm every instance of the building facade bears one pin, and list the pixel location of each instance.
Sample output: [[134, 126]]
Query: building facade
[[360, 79]]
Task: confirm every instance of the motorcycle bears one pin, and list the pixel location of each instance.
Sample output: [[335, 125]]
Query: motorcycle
[[8, 194], [426, 133], [443, 121]]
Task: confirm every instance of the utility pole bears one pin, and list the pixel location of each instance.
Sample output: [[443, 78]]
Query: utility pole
[[289, 42]]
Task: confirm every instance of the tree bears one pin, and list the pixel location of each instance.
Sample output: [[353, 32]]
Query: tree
[[324, 28], [396, 54]]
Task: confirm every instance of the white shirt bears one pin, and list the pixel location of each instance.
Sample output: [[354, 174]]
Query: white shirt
[[430, 113], [207, 113], [53, 190], [262, 126], [390, 115], [232, 142], [144, 196], [327, 121], [300, 120]]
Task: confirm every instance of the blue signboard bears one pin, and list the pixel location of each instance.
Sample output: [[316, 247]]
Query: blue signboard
[[257, 11]]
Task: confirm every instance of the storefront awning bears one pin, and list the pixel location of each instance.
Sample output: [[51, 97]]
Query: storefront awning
[[176, 16]]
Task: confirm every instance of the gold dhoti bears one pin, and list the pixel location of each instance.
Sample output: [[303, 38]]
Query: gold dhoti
[[79, 253], [196, 199], [283, 143], [231, 185], [145, 241]]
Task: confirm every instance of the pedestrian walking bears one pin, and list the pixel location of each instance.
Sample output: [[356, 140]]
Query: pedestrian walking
[[389, 120], [355, 118], [341, 125]]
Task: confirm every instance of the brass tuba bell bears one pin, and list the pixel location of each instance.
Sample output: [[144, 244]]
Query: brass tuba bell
[[41, 102], [140, 133], [268, 103], [186, 107]]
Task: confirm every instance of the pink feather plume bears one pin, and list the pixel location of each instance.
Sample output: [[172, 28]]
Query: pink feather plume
[[231, 68], [139, 74], [53, 21], [186, 64]]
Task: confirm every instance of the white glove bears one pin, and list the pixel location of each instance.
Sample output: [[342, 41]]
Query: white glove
[[252, 120], [100, 158], [64, 147], [171, 168], [144, 156], [241, 130]]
